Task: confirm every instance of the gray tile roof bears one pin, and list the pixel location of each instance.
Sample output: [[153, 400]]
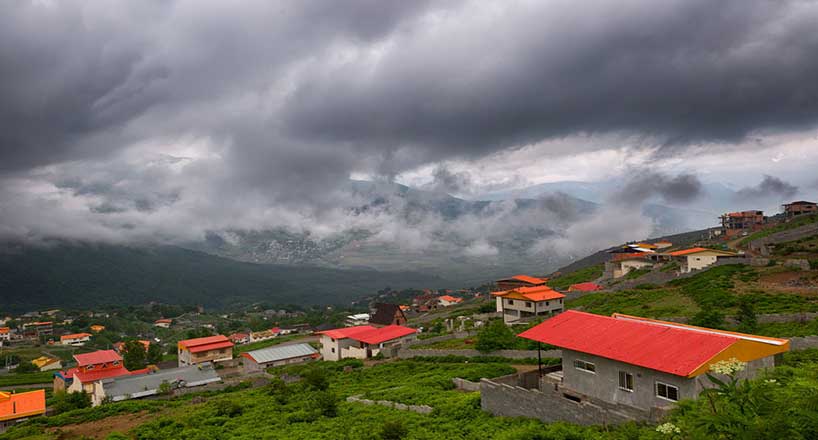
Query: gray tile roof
[[281, 352], [125, 387]]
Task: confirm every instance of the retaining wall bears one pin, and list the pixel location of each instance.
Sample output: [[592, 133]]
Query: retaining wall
[[406, 353], [420, 409]]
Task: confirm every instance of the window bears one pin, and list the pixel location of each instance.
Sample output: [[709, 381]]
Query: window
[[115, 363], [547, 303], [584, 366], [625, 381], [528, 304], [511, 301], [333, 349], [666, 391]]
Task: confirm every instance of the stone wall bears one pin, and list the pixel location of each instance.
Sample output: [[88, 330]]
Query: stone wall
[[803, 342], [465, 385], [420, 409], [551, 405]]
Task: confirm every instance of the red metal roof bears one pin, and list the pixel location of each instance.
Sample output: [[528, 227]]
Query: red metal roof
[[674, 350], [630, 256], [207, 340], [347, 332], [585, 287], [102, 373], [97, 357], [369, 334]]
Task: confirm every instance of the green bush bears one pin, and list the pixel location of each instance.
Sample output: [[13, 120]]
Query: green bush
[[393, 430]]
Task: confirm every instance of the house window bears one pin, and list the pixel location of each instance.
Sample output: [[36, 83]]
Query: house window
[[584, 366], [625, 381], [510, 302], [666, 391], [115, 363], [333, 349], [547, 303], [528, 304]]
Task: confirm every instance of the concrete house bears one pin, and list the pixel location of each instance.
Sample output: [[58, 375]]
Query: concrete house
[[363, 342], [698, 258], [91, 369], [163, 323], [265, 335], [47, 363], [623, 263], [259, 360], [357, 319], [75, 339], [388, 314], [5, 335], [800, 207], [524, 303], [515, 282], [640, 365], [208, 349], [738, 223]]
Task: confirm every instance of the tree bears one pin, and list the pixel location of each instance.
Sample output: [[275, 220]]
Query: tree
[[709, 319], [134, 356], [393, 430], [154, 355], [495, 336], [746, 317], [316, 378], [25, 367], [62, 401]]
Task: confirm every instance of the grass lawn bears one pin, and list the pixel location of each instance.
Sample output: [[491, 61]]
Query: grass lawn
[[652, 303], [12, 379]]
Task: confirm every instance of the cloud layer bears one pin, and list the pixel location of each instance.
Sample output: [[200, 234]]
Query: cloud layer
[[165, 119]]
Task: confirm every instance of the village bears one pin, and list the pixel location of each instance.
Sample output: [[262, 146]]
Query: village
[[582, 361]]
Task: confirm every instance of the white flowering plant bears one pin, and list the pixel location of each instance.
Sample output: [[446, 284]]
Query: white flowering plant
[[668, 429]]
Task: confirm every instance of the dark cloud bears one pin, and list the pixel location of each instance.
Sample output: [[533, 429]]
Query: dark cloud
[[672, 189], [449, 182], [769, 187]]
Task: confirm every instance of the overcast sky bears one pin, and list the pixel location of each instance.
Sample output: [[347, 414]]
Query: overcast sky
[[160, 119]]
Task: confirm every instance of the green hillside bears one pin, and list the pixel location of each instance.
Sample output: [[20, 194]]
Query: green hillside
[[79, 275]]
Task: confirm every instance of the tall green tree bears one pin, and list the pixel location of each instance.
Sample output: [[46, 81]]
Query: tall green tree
[[134, 355], [746, 317], [154, 355], [495, 336]]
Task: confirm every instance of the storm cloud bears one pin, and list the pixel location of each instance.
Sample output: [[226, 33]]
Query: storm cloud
[[169, 119], [770, 186]]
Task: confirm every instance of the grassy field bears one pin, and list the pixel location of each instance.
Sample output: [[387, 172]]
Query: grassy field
[[268, 343], [13, 379], [591, 273]]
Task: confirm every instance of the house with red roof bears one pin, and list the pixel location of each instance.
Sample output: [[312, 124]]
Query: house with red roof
[[584, 287], [91, 370], [519, 281], [239, 338], [18, 407], [5, 334], [163, 323], [363, 341], [698, 258], [208, 349], [522, 304], [448, 300], [642, 365]]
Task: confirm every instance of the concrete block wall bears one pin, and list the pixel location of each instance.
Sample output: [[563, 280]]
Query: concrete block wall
[[550, 405]]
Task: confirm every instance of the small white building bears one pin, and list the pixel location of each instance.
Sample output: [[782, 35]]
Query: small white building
[[75, 339], [357, 319], [448, 300], [622, 264], [363, 342], [163, 323], [698, 258], [524, 303]]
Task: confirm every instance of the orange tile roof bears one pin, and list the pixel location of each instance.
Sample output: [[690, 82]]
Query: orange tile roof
[[529, 279], [450, 298], [4, 329], [75, 336], [689, 251], [19, 405], [207, 343], [630, 256], [533, 293]]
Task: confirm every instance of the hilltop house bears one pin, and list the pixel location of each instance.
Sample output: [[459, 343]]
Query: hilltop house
[[5, 334], [91, 370], [163, 323], [75, 339], [208, 349], [388, 314], [523, 303], [698, 258], [96, 328], [622, 263], [640, 365], [448, 300], [800, 207], [39, 328], [18, 407], [363, 342], [259, 360], [150, 383], [47, 363], [737, 223]]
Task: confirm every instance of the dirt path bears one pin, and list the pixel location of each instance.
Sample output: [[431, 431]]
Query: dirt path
[[100, 429]]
